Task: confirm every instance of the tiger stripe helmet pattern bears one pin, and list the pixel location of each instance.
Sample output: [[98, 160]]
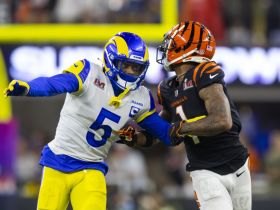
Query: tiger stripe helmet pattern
[[186, 42]]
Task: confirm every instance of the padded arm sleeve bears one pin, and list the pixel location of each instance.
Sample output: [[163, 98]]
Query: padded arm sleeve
[[50, 86], [157, 127]]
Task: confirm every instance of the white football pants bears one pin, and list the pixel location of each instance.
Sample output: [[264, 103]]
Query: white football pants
[[228, 192]]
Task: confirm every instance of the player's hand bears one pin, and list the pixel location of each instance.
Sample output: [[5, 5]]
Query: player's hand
[[17, 88], [127, 136], [174, 132]]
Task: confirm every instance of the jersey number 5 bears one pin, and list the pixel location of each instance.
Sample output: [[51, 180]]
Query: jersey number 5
[[97, 124], [179, 110]]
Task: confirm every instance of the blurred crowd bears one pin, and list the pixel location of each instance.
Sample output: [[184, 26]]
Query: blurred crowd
[[233, 22]]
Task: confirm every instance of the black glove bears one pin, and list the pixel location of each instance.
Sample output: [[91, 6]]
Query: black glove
[[127, 136], [174, 133]]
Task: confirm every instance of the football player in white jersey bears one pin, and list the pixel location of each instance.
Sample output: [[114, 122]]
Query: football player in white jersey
[[101, 99]]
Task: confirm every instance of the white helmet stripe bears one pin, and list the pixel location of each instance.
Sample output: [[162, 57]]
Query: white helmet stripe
[[183, 56]]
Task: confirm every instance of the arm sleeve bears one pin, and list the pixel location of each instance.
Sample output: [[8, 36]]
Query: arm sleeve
[[50, 86], [70, 81], [157, 127]]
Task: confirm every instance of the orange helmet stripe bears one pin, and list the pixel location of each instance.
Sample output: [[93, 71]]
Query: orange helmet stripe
[[191, 35], [197, 33]]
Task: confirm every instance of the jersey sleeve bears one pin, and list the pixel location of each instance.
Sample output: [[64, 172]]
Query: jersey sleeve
[[207, 73], [50, 86], [157, 127], [148, 110], [161, 94], [81, 71]]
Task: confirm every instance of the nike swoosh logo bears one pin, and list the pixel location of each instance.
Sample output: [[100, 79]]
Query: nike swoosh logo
[[238, 175], [212, 76]]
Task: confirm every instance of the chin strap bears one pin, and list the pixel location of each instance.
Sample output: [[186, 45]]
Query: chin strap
[[117, 100]]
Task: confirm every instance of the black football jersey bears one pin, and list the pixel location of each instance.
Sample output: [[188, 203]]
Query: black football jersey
[[222, 153]]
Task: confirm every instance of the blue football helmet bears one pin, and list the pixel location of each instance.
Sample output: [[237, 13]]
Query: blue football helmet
[[122, 50]]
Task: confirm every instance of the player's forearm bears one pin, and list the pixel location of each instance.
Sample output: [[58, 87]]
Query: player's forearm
[[49, 86], [218, 119], [209, 126], [157, 127]]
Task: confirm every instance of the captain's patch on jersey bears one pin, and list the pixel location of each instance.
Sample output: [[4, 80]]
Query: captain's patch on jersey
[[133, 111]]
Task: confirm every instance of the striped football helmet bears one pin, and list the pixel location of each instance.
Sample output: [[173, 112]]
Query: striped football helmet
[[126, 49], [186, 42]]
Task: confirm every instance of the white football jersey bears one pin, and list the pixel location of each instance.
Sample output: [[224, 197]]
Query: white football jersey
[[88, 124]]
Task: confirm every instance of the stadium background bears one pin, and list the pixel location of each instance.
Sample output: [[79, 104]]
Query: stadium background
[[41, 37]]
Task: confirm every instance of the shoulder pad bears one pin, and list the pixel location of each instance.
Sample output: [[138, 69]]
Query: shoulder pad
[[207, 69], [80, 69], [75, 68]]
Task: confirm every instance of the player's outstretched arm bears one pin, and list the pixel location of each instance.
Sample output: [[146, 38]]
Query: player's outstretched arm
[[43, 86], [156, 130]]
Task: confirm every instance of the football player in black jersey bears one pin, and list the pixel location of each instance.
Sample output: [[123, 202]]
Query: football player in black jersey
[[197, 102]]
